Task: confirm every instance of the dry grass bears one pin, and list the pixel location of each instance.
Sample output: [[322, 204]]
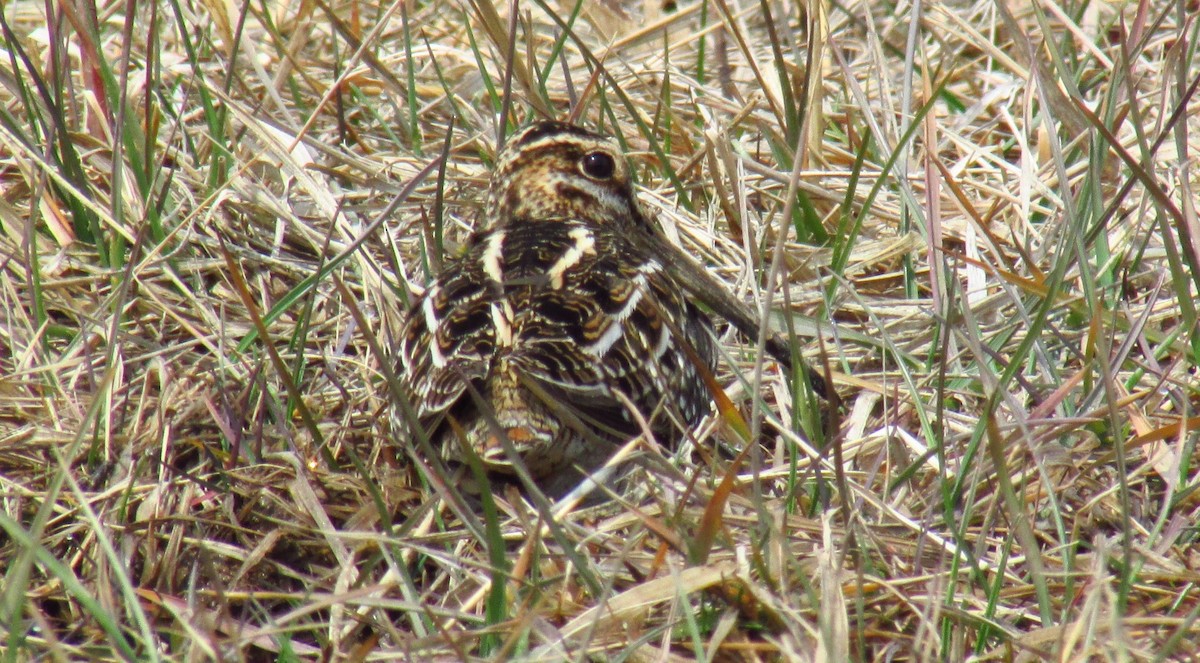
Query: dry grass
[[210, 221]]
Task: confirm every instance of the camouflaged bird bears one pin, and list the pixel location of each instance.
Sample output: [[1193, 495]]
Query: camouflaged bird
[[558, 312]]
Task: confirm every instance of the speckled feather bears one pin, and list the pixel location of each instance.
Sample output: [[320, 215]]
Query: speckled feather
[[560, 291]]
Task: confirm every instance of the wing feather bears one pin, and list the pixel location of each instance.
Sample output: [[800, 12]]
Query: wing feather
[[580, 309]]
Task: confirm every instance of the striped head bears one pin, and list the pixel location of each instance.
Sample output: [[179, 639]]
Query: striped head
[[554, 170]]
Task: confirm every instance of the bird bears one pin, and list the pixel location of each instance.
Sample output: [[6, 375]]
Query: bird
[[566, 318]]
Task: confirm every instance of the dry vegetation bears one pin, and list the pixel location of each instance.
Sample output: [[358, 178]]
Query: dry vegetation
[[981, 222]]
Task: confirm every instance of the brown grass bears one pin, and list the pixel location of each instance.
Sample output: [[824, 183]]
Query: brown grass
[[210, 224]]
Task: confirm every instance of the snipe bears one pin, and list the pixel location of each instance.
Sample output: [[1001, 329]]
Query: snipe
[[565, 310]]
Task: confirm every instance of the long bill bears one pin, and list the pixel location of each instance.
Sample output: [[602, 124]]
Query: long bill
[[712, 293]]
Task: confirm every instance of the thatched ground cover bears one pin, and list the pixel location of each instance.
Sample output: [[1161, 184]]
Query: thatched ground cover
[[979, 221]]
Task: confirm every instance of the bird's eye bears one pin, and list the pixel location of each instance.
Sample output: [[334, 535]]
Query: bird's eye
[[598, 165]]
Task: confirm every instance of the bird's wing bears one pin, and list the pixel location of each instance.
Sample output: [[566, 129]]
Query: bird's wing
[[579, 309], [607, 319], [448, 337]]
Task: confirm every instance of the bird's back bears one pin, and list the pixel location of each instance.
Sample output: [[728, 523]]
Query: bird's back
[[548, 321]]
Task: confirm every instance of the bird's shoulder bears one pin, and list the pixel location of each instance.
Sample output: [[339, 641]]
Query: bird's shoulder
[[576, 302]]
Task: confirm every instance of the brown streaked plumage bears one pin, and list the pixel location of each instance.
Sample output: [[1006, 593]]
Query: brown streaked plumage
[[568, 300]]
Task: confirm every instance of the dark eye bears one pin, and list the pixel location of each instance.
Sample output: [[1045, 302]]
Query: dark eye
[[598, 165]]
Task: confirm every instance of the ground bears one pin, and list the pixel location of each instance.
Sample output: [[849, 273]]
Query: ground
[[976, 219]]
